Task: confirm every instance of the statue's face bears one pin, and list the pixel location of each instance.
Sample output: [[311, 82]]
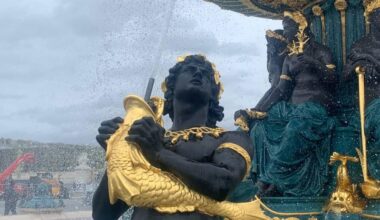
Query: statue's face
[[290, 29], [194, 83], [375, 18]]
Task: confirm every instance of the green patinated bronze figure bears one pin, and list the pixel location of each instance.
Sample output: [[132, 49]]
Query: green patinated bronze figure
[[293, 142]]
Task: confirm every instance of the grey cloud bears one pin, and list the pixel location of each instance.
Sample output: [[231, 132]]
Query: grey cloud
[[66, 65], [11, 96], [206, 42]]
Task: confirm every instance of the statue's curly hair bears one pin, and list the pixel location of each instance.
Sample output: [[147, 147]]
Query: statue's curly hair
[[215, 112]]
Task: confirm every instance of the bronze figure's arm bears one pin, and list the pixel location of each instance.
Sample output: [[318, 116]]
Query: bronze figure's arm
[[326, 66], [215, 179], [281, 92], [101, 206]]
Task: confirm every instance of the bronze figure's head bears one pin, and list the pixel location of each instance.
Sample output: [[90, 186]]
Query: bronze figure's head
[[294, 23], [195, 80]]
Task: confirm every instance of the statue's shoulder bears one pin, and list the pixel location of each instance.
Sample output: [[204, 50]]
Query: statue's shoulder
[[323, 48], [239, 138], [322, 52], [358, 45]]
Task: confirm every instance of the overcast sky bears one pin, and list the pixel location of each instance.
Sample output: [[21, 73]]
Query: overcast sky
[[66, 65]]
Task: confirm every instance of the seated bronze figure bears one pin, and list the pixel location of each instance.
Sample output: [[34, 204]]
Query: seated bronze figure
[[365, 53], [292, 142]]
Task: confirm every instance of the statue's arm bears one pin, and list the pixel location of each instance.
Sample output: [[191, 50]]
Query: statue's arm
[[326, 66], [216, 178], [247, 118], [101, 206], [349, 68], [375, 61], [282, 91], [265, 97]]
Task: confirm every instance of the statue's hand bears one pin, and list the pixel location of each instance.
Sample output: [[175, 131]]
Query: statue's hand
[[241, 113], [149, 136], [106, 129], [307, 60], [295, 64], [243, 120]]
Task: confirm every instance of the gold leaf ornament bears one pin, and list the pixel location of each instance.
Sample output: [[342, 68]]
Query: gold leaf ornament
[[297, 17], [296, 48], [272, 34], [317, 10], [370, 6]]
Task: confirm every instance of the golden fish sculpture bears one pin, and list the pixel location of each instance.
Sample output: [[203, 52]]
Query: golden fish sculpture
[[132, 179]]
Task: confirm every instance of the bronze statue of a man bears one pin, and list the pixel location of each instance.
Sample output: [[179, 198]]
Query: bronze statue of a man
[[293, 141], [205, 158], [366, 53]]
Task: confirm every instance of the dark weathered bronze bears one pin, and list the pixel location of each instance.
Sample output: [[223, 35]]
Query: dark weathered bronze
[[293, 140], [191, 101], [309, 75], [366, 53]]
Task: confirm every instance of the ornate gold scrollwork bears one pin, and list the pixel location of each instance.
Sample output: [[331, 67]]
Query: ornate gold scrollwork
[[298, 47]]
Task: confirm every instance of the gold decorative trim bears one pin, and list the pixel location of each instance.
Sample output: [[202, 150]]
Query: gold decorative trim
[[323, 21], [285, 213], [331, 66], [285, 77], [370, 216], [198, 132], [370, 187], [256, 114], [370, 6], [272, 34], [248, 8], [367, 25], [318, 11], [360, 71], [311, 4], [250, 5], [240, 150], [298, 17], [341, 5]]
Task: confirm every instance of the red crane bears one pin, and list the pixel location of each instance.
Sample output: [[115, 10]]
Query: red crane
[[27, 157]]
